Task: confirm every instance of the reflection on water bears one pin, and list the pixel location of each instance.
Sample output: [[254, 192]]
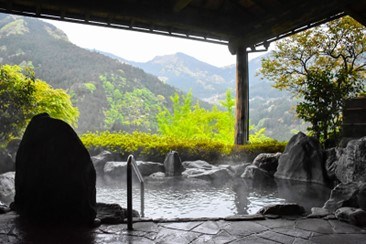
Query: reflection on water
[[179, 197]]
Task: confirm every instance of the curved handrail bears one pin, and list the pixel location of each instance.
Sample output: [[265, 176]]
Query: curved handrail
[[131, 164]]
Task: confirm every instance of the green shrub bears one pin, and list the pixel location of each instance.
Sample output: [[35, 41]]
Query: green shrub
[[153, 147]]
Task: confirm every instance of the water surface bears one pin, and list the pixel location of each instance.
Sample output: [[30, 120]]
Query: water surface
[[179, 197]]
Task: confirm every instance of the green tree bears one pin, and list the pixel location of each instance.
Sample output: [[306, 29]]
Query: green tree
[[22, 96], [112, 85], [16, 101], [323, 66], [190, 121], [56, 102], [129, 110]]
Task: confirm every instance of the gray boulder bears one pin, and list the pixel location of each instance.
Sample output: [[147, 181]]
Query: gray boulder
[[157, 175], [199, 164], [302, 160], [282, 209], [100, 160], [117, 169], [7, 163], [355, 216], [351, 166], [148, 168], [341, 196], [255, 173], [229, 169], [173, 164], [361, 196], [331, 157], [7, 187], [215, 174], [319, 212], [113, 213], [202, 170], [239, 169], [267, 162], [193, 171]]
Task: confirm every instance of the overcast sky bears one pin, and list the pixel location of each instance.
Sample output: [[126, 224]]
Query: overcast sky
[[142, 47]]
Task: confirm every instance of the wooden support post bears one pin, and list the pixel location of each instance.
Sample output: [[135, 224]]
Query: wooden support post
[[242, 97]]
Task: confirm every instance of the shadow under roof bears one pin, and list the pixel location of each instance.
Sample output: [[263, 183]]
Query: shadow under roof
[[248, 22]]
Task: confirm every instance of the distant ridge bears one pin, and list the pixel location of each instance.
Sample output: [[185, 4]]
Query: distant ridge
[[269, 108], [64, 65], [80, 71]]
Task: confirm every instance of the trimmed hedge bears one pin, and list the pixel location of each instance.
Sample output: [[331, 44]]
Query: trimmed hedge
[[153, 147]]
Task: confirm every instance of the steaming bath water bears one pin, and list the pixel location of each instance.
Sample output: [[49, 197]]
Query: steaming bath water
[[191, 198]]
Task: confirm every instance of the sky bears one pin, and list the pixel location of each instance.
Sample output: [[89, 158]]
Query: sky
[[143, 47]]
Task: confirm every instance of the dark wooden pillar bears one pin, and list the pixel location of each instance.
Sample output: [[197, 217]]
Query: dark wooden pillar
[[242, 97]]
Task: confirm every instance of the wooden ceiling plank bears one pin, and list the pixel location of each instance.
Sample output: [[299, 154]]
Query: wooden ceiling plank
[[250, 20]]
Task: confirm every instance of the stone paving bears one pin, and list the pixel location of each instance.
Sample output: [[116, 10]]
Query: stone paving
[[255, 230]]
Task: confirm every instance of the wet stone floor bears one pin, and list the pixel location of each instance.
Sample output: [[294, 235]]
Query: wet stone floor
[[239, 230]]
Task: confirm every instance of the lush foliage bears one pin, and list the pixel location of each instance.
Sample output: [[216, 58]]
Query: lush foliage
[[322, 66], [56, 102], [77, 70], [23, 96], [129, 110], [323, 102], [154, 147], [188, 121], [16, 96]]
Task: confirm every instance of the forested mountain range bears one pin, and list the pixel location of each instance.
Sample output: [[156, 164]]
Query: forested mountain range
[[269, 107], [99, 85], [112, 93]]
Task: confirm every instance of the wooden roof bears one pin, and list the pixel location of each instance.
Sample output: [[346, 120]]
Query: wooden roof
[[246, 22]]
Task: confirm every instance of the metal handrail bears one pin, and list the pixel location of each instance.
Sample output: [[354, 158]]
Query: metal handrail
[[131, 164]]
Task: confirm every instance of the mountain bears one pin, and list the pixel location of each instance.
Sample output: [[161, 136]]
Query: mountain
[[187, 73], [94, 80], [206, 81], [113, 94], [269, 107]]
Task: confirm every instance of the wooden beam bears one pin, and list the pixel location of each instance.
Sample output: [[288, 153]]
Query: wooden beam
[[242, 97]]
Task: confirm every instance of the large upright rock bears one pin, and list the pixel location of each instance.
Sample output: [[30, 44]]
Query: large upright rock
[[173, 164], [302, 160], [351, 166], [55, 178]]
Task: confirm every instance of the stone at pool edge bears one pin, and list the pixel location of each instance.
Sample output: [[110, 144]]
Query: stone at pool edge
[[255, 173], [284, 209], [355, 216], [112, 213], [319, 213], [7, 187], [343, 195], [4, 209]]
